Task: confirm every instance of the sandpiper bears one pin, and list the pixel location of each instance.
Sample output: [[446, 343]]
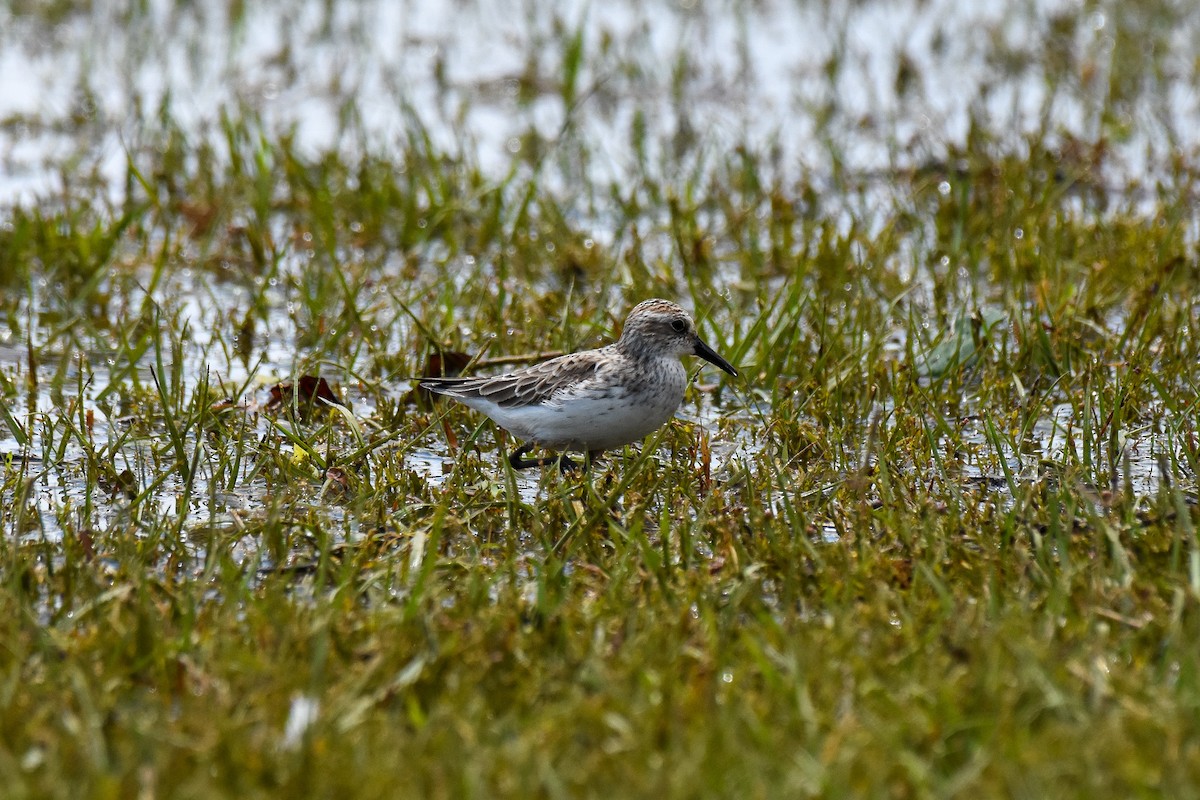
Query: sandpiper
[[594, 400]]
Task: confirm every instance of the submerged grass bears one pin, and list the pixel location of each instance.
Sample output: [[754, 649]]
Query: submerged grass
[[939, 540], [851, 575]]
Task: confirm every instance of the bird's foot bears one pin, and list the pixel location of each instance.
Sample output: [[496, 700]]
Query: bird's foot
[[565, 464], [516, 460]]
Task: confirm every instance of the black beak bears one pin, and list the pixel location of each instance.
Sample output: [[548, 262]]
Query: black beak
[[710, 355]]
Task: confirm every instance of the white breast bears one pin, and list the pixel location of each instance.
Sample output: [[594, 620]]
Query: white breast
[[600, 414]]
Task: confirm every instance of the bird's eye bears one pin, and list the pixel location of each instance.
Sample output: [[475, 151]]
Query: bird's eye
[[678, 325]]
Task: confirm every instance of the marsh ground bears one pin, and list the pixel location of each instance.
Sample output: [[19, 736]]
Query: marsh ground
[[938, 539]]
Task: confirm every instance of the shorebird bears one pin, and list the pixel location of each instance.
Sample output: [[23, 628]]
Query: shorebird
[[593, 400]]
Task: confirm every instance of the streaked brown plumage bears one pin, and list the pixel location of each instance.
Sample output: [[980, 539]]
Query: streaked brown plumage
[[593, 400]]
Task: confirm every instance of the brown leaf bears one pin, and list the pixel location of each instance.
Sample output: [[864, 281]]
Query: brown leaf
[[312, 391], [200, 215], [87, 544], [451, 439], [445, 364], [442, 364]]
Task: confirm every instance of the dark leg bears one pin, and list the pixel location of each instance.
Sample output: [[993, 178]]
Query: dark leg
[[517, 462], [564, 464], [567, 465]]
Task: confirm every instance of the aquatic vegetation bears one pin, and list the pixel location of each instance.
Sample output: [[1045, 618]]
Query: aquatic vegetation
[[938, 537]]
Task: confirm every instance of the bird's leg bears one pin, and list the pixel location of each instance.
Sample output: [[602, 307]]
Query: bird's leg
[[598, 455], [563, 462], [568, 465], [517, 462]]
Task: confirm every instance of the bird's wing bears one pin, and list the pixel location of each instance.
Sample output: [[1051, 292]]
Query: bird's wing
[[528, 386]]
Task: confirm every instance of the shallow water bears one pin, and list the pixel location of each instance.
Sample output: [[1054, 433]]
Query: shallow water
[[884, 86], [894, 83]]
